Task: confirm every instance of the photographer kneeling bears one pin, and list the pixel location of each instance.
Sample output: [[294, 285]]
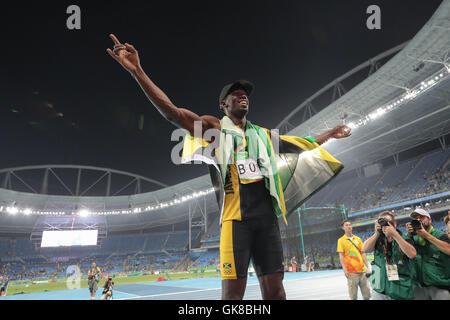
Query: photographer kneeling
[[433, 257], [392, 275], [107, 289]]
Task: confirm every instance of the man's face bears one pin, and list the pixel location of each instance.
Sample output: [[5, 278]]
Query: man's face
[[448, 225], [93, 264], [347, 227], [426, 222], [236, 103]]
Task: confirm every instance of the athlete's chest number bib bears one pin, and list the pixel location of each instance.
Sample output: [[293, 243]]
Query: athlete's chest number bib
[[247, 169]]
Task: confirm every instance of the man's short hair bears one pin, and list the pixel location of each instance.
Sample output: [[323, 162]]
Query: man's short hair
[[446, 218], [343, 222], [387, 213]]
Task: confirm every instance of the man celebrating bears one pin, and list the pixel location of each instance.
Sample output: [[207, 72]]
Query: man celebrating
[[353, 261], [433, 258], [254, 184]]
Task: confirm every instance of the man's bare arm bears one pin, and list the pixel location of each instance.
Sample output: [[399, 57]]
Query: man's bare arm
[[338, 132], [180, 117], [128, 57]]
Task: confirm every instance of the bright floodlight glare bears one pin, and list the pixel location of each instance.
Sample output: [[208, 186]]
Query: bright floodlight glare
[[83, 213], [410, 94], [12, 210], [27, 211]]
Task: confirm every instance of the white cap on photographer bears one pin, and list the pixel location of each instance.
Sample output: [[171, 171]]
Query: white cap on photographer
[[420, 212]]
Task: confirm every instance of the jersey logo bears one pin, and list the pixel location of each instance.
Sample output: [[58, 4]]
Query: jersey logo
[[227, 268]]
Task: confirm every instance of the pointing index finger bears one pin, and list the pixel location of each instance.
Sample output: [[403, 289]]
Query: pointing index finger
[[113, 38]]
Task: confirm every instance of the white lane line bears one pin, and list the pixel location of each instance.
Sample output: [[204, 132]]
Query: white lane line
[[168, 294], [130, 294]]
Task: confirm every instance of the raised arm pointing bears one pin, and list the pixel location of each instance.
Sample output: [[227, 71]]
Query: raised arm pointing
[[128, 57]]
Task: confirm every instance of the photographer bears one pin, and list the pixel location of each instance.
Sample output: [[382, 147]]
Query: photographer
[[93, 279], [433, 257], [108, 289], [392, 275], [4, 286], [447, 223]]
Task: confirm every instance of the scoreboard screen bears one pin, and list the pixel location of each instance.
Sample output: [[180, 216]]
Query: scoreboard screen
[[69, 238]]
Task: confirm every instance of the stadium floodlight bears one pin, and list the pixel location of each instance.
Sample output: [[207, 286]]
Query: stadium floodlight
[[409, 95], [83, 213], [12, 210]]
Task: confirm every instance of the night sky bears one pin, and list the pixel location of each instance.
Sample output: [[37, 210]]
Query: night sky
[[64, 100]]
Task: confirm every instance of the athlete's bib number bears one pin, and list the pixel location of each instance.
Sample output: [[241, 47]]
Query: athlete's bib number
[[248, 169]]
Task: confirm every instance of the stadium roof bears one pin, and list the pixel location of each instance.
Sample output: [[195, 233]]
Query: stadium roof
[[386, 125], [413, 121]]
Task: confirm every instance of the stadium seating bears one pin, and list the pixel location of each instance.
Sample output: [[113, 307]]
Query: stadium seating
[[427, 174], [207, 259], [155, 242], [177, 241], [410, 179]]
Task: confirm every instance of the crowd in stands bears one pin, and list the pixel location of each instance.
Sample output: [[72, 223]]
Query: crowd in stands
[[207, 259], [130, 253], [425, 175]]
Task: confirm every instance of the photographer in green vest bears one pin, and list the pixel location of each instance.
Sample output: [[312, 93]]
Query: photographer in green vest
[[392, 275], [433, 257]]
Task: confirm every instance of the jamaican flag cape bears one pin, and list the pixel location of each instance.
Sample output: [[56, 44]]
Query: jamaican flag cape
[[293, 168]]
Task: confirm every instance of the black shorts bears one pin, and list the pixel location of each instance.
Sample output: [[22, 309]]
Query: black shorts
[[258, 239]]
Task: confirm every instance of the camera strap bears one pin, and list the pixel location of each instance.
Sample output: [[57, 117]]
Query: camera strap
[[391, 268], [355, 247], [388, 258]]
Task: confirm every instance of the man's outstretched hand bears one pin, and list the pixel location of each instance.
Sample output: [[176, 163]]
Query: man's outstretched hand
[[341, 131], [125, 54]]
